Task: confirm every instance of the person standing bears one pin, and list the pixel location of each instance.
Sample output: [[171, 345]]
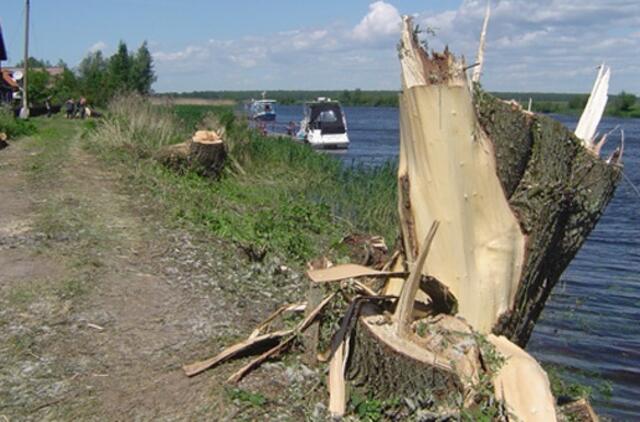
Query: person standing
[[47, 104], [68, 108]]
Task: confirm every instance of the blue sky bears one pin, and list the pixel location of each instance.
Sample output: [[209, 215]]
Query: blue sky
[[546, 45]]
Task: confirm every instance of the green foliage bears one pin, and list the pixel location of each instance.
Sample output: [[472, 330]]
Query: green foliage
[[134, 124], [624, 102], [33, 63], [355, 97], [368, 409], [142, 75], [246, 397], [578, 102], [97, 78], [119, 70], [562, 388], [93, 78], [14, 127], [39, 86], [65, 86]]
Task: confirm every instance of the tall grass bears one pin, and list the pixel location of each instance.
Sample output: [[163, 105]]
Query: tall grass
[[288, 198], [134, 123]]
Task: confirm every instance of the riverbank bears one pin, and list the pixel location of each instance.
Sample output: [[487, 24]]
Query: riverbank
[[203, 239]]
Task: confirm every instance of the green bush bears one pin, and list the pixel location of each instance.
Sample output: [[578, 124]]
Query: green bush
[[12, 126]]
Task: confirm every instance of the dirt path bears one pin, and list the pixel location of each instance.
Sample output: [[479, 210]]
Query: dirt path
[[101, 304]]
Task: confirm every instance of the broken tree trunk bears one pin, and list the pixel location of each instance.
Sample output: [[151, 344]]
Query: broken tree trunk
[[205, 153], [517, 193]]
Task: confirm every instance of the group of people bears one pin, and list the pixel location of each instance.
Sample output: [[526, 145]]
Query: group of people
[[77, 109]]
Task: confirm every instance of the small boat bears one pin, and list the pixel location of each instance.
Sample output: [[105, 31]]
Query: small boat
[[324, 125], [263, 110]]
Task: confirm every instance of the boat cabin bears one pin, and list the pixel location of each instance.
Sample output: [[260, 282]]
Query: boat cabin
[[324, 125], [326, 116]]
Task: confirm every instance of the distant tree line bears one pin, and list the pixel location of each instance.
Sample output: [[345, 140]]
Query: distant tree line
[[621, 104], [97, 78], [355, 97]]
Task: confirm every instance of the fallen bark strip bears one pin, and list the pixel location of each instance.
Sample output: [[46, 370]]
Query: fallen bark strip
[[346, 271], [337, 383], [296, 307], [303, 325], [246, 346]]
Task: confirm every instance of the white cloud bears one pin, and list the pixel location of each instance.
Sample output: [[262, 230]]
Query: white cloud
[[99, 46], [382, 20], [552, 45], [556, 43]]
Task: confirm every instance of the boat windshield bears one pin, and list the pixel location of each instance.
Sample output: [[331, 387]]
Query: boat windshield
[[327, 116], [263, 107]]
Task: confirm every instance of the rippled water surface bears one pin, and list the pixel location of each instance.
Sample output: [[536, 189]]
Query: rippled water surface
[[591, 325]]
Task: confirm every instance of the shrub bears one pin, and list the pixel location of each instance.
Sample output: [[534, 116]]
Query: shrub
[[12, 126]]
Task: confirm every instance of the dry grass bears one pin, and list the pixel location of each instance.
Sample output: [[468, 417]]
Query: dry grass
[[172, 101], [133, 122]]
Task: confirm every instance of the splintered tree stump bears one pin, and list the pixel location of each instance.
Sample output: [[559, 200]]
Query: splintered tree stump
[[205, 153], [517, 193]]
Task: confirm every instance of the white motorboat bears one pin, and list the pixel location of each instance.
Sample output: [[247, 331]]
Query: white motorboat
[[324, 125]]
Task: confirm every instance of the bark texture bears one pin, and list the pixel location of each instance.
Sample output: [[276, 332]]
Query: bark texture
[[438, 368], [557, 189]]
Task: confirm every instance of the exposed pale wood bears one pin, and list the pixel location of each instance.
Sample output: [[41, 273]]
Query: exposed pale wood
[[444, 362], [404, 308], [238, 375], [337, 383], [447, 172], [296, 307], [346, 271], [235, 350], [523, 384], [205, 153], [593, 111], [477, 70]]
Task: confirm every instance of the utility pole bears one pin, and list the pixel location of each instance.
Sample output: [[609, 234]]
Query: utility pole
[[24, 111]]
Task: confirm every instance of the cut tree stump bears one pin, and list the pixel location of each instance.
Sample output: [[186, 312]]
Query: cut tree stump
[[205, 153]]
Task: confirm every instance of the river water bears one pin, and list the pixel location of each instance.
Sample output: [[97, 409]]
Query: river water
[[591, 324]]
